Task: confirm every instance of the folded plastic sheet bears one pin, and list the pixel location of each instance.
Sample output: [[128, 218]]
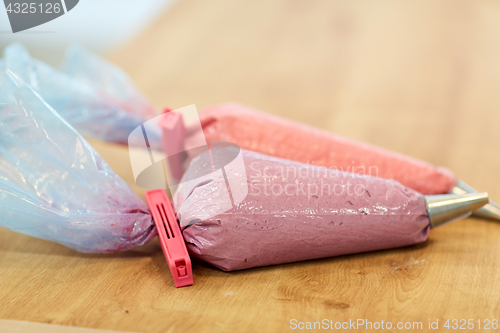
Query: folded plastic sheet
[[271, 135], [292, 212], [55, 186], [95, 97]]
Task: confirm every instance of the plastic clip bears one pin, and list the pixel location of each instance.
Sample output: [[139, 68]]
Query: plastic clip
[[173, 132], [171, 240]]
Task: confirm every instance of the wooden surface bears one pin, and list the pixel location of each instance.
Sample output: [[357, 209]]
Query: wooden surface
[[17, 326], [418, 77]]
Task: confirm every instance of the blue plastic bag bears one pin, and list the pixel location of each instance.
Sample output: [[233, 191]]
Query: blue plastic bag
[[55, 186], [95, 97]]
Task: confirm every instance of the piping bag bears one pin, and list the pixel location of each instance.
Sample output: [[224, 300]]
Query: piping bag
[[275, 136], [55, 186], [240, 209], [95, 97]]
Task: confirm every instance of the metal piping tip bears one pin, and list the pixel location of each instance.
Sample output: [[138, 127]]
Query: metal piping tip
[[447, 208], [490, 211]]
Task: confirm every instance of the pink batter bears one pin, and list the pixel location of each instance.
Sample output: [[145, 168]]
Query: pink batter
[[294, 212], [271, 135]]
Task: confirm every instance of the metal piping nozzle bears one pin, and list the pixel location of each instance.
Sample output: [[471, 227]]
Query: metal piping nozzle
[[490, 211], [446, 208]]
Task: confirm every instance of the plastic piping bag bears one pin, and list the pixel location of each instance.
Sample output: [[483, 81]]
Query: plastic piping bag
[[94, 96], [240, 209], [292, 212], [55, 186], [272, 135]]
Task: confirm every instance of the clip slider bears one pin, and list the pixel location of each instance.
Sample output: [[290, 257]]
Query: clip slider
[[170, 235]]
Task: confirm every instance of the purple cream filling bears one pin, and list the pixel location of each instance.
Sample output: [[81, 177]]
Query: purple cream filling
[[294, 212]]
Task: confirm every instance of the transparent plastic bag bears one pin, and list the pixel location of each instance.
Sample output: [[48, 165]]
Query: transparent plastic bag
[[95, 97], [55, 186]]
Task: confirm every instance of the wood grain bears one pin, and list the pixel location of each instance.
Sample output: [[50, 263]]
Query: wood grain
[[418, 77], [16, 326]]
